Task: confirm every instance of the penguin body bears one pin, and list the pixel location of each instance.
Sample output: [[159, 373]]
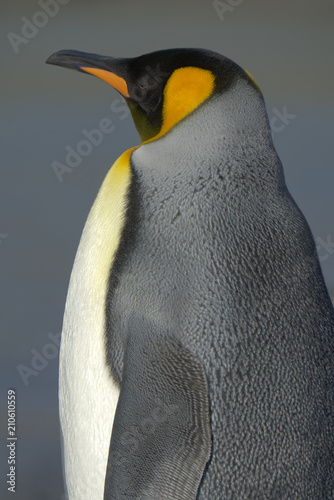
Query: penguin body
[[197, 350]]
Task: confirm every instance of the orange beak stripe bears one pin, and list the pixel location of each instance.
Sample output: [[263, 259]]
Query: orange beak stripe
[[115, 81]]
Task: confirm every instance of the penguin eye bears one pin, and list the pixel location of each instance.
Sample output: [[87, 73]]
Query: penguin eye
[[143, 86], [147, 99], [147, 83], [138, 92], [147, 91], [153, 78]]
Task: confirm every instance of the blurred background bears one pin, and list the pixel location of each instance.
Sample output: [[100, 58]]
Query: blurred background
[[288, 48]]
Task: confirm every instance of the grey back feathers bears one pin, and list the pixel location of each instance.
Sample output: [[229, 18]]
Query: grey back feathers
[[221, 256]]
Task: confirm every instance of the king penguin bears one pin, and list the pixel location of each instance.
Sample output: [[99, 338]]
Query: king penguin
[[197, 347]]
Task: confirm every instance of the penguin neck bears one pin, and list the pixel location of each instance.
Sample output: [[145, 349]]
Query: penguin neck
[[240, 114], [229, 132], [233, 124]]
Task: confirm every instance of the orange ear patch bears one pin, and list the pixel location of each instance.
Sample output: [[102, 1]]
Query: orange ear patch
[[185, 90]]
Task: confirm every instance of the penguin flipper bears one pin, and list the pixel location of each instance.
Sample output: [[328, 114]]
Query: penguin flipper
[[161, 438]]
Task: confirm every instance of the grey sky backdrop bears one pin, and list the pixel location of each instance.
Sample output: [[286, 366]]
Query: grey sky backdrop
[[288, 48]]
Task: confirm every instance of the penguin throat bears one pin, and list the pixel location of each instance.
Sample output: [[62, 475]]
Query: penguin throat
[[146, 128]]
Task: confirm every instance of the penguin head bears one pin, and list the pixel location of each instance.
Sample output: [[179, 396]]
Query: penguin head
[[160, 88]]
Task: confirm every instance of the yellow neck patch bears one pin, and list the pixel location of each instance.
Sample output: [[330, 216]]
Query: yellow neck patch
[[185, 90], [106, 221]]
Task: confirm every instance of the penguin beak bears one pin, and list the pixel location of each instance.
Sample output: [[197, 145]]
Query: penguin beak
[[109, 69]]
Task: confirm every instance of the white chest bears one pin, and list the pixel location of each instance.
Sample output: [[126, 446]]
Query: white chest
[[87, 393]]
